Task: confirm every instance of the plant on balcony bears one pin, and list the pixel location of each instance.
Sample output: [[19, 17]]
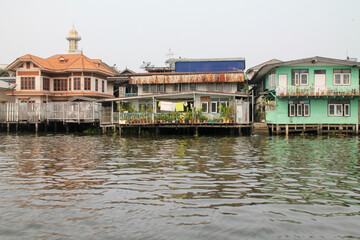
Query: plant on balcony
[[225, 112]]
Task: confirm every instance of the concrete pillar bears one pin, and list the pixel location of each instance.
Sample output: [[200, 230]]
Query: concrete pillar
[[36, 127], [357, 129], [67, 128], [8, 127]]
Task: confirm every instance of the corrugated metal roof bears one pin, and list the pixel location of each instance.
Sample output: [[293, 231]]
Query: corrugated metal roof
[[173, 60], [187, 78]]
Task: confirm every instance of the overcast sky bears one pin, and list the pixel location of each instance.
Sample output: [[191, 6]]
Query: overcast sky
[[128, 32]]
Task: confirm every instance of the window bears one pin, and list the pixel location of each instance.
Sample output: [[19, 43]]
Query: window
[[227, 87], [28, 65], [153, 88], [87, 83], [184, 87], [77, 83], [342, 76], [204, 107], [177, 87], [214, 107], [299, 109], [146, 88], [96, 84], [46, 84], [103, 86], [60, 84], [28, 83], [161, 88], [339, 109], [211, 86], [69, 84], [193, 86], [299, 77], [272, 80], [219, 87]]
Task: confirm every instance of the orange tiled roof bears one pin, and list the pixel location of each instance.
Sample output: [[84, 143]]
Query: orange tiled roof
[[66, 62]]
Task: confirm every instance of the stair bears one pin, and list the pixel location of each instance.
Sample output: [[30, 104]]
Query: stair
[[259, 128]]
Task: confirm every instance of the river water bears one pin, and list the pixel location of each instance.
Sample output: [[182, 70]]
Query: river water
[[179, 187]]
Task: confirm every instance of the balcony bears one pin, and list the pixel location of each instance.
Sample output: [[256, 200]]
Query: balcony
[[327, 91]]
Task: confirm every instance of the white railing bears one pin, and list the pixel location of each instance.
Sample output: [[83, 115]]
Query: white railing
[[59, 111], [318, 91]]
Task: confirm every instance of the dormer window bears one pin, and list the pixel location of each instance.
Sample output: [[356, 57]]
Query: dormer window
[[62, 59]]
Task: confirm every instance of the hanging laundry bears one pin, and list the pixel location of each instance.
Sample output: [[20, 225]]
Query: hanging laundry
[[179, 106], [167, 106]]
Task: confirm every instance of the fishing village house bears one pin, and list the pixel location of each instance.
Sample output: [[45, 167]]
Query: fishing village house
[[314, 94], [186, 85]]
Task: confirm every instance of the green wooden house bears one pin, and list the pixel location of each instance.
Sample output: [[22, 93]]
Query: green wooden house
[[312, 94]]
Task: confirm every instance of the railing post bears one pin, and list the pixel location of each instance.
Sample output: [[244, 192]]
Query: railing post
[[112, 112]]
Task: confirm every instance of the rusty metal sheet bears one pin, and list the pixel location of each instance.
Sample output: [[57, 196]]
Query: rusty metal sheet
[[188, 78]]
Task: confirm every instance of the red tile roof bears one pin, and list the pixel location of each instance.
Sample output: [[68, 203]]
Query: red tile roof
[[65, 63]]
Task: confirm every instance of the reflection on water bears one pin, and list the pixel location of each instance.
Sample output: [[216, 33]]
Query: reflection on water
[[102, 187]]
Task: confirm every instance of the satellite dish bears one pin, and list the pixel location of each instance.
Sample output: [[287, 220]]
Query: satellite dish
[[145, 64]]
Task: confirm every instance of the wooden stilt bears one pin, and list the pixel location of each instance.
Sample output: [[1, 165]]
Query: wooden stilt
[[287, 130], [196, 131], [8, 127], [120, 131], [357, 129], [36, 127], [67, 128], [139, 131], [240, 132]]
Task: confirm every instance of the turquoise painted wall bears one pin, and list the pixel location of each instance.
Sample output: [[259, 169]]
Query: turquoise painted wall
[[318, 113], [318, 106], [329, 74]]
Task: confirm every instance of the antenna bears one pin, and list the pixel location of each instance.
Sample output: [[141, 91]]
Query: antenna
[[170, 54]]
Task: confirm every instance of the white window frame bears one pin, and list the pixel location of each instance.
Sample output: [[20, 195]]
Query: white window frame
[[347, 112], [307, 79], [216, 104], [337, 106], [306, 113], [207, 106], [272, 80], [292, 113], [297, 79], [299, 108], [342, 82]]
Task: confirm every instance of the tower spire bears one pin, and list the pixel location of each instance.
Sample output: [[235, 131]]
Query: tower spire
[[73, 39]]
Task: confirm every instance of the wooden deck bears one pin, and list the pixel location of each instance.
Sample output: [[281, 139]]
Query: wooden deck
[[72, 112], [278, 129]]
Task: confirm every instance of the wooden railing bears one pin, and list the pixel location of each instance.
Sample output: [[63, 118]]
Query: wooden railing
[[54, 111]]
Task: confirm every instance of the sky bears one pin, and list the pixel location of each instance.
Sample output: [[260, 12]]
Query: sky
[[128, 32]]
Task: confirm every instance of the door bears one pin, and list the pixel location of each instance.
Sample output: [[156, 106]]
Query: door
[[283, 83], [320, 84]]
